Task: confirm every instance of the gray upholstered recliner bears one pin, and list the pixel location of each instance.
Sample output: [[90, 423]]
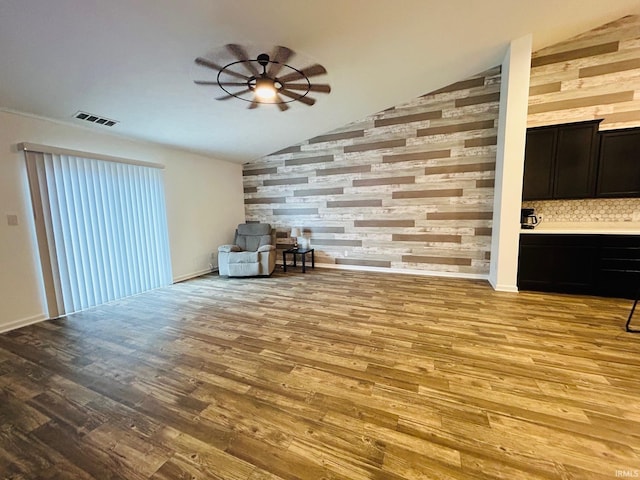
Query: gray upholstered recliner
[[253, 252]]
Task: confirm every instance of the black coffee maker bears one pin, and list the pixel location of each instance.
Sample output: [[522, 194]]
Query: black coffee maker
[[528, 218]]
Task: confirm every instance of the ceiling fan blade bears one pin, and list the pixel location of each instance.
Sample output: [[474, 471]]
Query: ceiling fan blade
[[311, 71], [223, 84], [321, 87], [281, 104], [291, 76], [280, 56], [230, 84], [208, 63], [314, 70], [253, 104], [228, 96], [304, 99], [242, 55]]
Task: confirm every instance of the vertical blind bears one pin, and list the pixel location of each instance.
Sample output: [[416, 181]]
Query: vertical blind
[[104, 225]]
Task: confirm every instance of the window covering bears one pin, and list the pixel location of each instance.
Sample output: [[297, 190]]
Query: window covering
[[103, 225]]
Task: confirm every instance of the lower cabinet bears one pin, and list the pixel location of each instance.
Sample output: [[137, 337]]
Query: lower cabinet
[[618, 266], [557, 263], [604, 265]]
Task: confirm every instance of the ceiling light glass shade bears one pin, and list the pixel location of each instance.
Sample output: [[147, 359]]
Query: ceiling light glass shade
[[265, 89]]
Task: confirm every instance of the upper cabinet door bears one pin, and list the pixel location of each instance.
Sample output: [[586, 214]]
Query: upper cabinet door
[[560, 161], [576, 160], [619, 163], [539, 158]]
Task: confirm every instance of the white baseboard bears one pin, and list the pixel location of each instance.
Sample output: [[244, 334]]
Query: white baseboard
[[182, 278], [504, 288], [22, 322], [426, 273]]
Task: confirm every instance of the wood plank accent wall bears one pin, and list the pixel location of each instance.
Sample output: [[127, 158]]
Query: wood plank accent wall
[[409, 188], [594, 75]]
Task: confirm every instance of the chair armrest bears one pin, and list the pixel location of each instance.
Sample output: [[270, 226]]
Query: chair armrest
[[266, 248], [229, 248]]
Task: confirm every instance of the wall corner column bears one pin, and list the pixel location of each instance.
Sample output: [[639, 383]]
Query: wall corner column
[[512, 126]]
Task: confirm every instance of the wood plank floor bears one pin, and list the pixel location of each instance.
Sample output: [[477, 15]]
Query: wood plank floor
[[327, 375]]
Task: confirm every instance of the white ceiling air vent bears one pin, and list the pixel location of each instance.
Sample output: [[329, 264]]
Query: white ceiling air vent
[[90, 117]]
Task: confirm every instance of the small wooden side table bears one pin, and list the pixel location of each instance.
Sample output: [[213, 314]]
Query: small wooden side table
[[303, 254]]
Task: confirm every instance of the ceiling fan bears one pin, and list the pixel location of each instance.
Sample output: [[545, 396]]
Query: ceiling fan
[[264, 79]]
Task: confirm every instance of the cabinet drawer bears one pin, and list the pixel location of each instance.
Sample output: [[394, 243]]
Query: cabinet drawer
[[618, 283], [619, 266]]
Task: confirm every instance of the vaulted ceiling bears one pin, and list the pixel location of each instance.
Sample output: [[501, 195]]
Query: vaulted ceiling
[[133, 61]]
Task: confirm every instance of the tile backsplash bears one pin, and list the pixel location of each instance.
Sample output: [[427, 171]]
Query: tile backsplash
[[588, 210]]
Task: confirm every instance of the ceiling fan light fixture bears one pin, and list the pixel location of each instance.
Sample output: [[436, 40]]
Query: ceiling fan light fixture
[[265, 89], [265, 79]]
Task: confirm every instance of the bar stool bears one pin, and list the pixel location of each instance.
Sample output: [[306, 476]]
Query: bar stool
[[629, 329]]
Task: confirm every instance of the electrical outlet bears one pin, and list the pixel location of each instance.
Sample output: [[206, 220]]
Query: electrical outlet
[[346, 253], [12, 219]]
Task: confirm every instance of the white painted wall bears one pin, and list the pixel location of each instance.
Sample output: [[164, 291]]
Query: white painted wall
[[204, 205], [512, 127]]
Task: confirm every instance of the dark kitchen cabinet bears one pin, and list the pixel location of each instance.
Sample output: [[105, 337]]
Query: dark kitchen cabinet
[[604, 265], [561, 161], [619, 163], [618, 266], [576, 160], [557, 263], [539, 157]]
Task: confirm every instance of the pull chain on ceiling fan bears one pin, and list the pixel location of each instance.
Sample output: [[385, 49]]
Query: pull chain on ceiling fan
[[261, 84]]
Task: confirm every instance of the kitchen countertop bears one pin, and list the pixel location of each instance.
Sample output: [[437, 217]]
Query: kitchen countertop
[[598, 228]]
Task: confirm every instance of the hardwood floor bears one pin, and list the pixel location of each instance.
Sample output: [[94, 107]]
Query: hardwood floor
[[327, 375]]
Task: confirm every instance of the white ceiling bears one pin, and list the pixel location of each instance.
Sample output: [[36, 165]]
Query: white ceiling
[[133, 60]]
